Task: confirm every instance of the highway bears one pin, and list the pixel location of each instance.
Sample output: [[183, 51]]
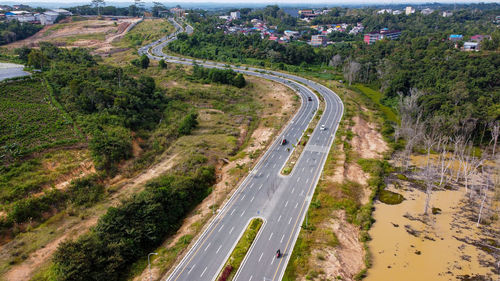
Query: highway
[[281, 201]]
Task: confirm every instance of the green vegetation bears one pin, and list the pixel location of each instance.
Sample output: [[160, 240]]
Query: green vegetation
[[11, 31], [241, 249], [389, 197], [145, 32], [215, 75], [29, 121], [132, 229]]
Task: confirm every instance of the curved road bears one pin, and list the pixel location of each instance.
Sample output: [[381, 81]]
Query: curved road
[[281, 201]]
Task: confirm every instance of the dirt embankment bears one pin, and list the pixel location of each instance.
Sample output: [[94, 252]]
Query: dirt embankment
[[345, 260]]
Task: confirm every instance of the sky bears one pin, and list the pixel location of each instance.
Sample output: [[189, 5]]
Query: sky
[[302, 2]]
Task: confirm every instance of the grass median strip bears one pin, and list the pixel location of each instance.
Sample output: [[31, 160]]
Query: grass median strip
[[301, 143], [234, 261]]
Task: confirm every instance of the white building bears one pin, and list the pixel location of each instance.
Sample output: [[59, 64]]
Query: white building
[[409, 10], [291, 33], [471, 46], [235, 15], [48, 17], [447, 14], [427, 11], [397, 12], [383, 11]]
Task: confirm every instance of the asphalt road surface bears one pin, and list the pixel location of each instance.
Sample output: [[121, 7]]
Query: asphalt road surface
[[281, 201]]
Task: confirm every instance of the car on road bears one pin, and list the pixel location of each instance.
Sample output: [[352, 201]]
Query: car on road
[[309, 99], [322, 128], [283, 141]]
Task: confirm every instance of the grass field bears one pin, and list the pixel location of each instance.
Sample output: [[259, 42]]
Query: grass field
[[143, 33], [29, 121]]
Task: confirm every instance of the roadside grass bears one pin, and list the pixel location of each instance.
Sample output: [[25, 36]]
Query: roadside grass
[[241, 249], [375, 97]]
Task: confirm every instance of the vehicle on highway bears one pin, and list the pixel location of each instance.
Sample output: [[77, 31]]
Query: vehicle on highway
[[278, 254], [283, 141], [322, 128], [309, 99]]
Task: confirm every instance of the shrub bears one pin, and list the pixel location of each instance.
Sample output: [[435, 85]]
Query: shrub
[[188, 124], [144, 60], [85, 191], [389, 197], [109, 145]]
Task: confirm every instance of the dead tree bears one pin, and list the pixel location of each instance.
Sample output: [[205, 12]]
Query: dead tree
[[444, 161], [411, 127], [351, 70], [431, 138], [335, 61], [495, 130]]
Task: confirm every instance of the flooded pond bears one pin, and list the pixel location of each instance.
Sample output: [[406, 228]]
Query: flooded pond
[[10, 70], [403, 247]]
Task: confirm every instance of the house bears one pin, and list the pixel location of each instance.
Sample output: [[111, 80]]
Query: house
[[225, 17], [235, 15], [455, 37], [447, 14], [397, 12], [273, 38], [471, 46], [478, 38], [427, 11], [48, 17], [291, 33], [318, 40], [409, 10], [385, 33]]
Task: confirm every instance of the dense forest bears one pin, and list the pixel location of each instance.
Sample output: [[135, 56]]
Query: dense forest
[[11, 31], [458, 85]]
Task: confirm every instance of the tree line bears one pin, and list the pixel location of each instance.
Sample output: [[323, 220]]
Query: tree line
[[11, 31]]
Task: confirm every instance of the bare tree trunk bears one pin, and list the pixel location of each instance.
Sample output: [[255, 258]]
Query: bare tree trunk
[[495, 130]]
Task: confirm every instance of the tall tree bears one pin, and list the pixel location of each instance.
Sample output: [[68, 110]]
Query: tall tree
[[98, 4]]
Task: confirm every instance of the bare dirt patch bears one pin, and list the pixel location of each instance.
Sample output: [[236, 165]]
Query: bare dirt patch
[[367, 141], [345, 260]]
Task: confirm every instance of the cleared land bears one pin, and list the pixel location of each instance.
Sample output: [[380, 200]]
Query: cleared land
[[93, 33]]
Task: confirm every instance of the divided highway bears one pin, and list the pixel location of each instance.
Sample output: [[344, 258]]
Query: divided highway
[[281, 201]]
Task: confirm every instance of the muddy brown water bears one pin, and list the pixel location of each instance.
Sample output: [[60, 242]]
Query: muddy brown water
[[397, 255]]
